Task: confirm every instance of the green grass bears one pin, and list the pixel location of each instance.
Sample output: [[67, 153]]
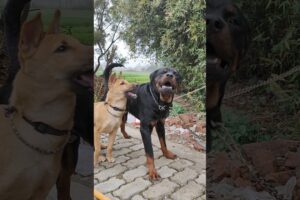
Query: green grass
[[78, 23], [133, 77], [136, 77], [177, 109]]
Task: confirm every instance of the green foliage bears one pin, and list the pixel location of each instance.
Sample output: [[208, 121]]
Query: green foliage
[[176, 109], [240, 128], [74, 22], [275, 31], [173, 31], [136, 77], [132, 77]]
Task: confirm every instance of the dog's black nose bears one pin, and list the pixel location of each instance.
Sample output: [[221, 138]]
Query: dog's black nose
[[170, 75], [214, 23]]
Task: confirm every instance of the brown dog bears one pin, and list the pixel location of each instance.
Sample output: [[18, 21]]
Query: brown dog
[[108, 115], [37, 126]]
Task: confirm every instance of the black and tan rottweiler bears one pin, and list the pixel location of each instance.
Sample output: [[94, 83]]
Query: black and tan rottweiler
[[227, 41], [151, 107]]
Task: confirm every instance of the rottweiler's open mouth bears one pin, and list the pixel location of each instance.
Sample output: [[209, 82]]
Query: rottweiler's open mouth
[[84, 79], [167, 87], [213, 59]]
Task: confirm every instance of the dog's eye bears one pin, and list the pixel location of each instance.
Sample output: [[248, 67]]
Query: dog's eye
[[233, 21], [61, 48]]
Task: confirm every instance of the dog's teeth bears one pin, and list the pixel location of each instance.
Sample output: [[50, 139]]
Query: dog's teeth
[[166, 87]]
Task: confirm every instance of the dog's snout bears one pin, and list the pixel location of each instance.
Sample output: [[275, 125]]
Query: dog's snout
[[170, 75], [214, 23]]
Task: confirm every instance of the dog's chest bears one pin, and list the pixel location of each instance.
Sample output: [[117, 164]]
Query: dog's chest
[[111, 124], [26, 172]]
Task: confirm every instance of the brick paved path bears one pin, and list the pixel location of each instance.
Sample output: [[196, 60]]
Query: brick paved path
[[182, 178]]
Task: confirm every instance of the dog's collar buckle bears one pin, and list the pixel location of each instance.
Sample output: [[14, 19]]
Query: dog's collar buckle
[[162, 108]]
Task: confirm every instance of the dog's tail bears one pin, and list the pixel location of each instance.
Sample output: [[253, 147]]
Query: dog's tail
[[106, 74]]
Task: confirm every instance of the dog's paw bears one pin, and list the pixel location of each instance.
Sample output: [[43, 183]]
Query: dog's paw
[[110, 159], [153, 175], [168, 154], [96, 163], [102, 159], [127, 136]]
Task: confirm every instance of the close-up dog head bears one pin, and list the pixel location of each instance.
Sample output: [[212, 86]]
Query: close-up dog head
[[119, 87], [227, 41], [54, 58], [166, 82], [227, 34]]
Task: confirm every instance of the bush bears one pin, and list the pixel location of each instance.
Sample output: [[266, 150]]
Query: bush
[[275, 34]]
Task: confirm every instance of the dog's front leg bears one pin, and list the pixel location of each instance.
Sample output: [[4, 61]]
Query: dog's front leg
[[146, 130], [69, 161], [97, 148], [111, 140], [160, 129]]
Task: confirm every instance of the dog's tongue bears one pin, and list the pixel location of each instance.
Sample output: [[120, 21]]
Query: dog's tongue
[[132, 95], [86, 80]]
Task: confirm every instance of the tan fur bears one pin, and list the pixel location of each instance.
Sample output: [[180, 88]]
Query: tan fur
[[41, 92], [108, 120]]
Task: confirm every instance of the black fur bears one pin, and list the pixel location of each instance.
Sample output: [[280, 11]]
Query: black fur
[[146, 106], [228, 37], [106, 74]]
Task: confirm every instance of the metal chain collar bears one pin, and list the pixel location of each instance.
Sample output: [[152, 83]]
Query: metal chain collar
[[37, 149], [222, 133], [263, 83]]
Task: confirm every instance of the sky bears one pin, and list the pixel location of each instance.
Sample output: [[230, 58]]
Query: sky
[[133, 61]]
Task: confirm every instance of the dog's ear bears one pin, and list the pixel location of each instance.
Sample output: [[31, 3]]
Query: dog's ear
[[120, 75], [112, 79], [31, 35], [153, 75], [54, 26]]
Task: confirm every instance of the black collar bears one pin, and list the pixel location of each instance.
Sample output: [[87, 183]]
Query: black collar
[[164, 107], [115, 108], [45, 128], [38, 126]]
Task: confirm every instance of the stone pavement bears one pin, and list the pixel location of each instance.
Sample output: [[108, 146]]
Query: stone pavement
[[183, 178]]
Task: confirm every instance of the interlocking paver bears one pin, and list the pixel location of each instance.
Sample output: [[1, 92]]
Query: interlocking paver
[[135, 162], [162, 161], [138, 197], [125, 144], [130, 189], [201, 179], [184, 176], [134, 173], [137, 147], [160, 190], [110, 185], [112, 197], [136, 154], [166, 172], [189, 191], [107, 173], [121, 152], [180, 164]]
